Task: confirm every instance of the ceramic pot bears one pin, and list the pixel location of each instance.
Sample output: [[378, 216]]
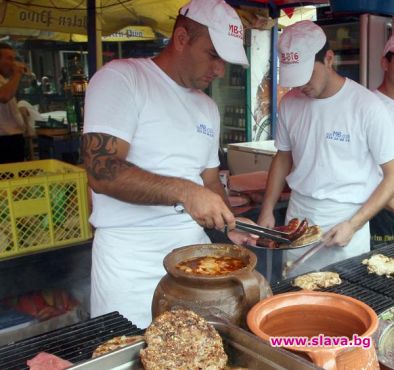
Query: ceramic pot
[[233, 293], [310, 314]]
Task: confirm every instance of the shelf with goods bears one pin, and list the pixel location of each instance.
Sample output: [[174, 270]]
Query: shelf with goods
[[229, 93]]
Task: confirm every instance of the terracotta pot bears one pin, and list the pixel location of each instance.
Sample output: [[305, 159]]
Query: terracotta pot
[[308, 314], [234, 293]]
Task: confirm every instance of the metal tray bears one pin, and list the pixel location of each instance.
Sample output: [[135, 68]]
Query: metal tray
[[243, 349], [384, 338], [386, 347]]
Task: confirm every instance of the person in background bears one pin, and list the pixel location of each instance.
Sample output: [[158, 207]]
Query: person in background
[[382, 225], [331, 135], [150, 148], [12, 124]]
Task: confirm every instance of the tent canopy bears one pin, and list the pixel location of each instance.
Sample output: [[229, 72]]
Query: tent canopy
[[119, 20], [70, 16]]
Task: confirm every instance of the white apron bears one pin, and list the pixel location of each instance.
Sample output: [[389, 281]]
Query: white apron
[[127, 265], [326, 213]]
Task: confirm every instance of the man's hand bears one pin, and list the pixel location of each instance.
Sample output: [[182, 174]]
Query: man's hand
[[25, 112], [19, 68], [266, 220], [340, 235], [208, 208], [241, 237]]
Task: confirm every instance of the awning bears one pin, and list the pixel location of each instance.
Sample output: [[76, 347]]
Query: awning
[[70, 16], [131, 33]]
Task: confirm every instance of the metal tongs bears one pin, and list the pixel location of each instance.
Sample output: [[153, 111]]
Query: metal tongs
[[264, 232], [294, 264]]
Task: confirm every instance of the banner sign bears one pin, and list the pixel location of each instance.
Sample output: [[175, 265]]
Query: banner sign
[[42, 18]]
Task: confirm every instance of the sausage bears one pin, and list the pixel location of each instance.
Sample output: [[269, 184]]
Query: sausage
[[290, 228], [267, 243], [300, 230], [293, 225]]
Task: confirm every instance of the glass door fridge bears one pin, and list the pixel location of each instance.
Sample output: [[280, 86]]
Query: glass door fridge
[[243, 95], [229, 94]]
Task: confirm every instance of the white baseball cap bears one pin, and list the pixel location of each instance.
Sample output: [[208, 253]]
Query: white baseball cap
[[389, 45], [298, 44], [224, 26]]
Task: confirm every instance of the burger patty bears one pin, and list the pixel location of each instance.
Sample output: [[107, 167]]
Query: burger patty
[[181, 339]]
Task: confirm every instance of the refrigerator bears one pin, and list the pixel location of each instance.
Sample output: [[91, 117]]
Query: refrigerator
[[243, 95], [358, 43]]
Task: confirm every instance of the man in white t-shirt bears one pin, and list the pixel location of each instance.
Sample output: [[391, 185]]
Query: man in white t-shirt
[[150, 148], [12, 143], [382, 225], [331, 134]]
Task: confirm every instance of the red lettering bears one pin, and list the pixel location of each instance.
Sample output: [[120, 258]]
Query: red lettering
[[290, 57]]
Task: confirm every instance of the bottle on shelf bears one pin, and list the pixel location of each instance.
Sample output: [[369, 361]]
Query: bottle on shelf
[[72, 117], [231, 115], [233, 76], [236, 115], [241, 120], [226, 117]]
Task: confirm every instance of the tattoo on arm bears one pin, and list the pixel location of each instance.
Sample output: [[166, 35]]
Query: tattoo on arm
[[100, 153]]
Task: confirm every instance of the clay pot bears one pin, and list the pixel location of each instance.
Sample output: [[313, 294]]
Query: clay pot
[[234, 293], [308, 314]]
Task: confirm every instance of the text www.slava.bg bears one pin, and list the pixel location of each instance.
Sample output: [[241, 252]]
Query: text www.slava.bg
[[321, 341]]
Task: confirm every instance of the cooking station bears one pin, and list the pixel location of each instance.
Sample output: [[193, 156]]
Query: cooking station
[[376, 291], [77, 342]]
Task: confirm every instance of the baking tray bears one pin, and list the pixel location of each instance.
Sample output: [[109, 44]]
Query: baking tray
[[384, 338], [243, 349]]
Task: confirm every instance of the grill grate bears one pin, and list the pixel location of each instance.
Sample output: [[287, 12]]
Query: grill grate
[[73, 343], [376, 291], [376, 301], [354, 271]]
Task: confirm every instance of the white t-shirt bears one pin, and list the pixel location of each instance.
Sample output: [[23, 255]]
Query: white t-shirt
[[388, 102], [336, 142], [11, 120], [172, 131]]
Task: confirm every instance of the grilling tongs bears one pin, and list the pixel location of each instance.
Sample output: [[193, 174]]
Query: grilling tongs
[[293, 264], [264, 232]]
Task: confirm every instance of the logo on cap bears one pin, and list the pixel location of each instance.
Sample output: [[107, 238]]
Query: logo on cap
[[290, 58], [235, 31]]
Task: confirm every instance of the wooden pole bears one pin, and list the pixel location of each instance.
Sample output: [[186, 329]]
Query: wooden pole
[[95, 52]]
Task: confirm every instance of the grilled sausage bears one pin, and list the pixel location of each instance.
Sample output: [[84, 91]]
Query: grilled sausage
[[300, 230], [290, 228], [267, 243]]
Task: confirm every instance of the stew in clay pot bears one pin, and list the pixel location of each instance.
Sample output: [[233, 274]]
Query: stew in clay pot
[[221, 277]]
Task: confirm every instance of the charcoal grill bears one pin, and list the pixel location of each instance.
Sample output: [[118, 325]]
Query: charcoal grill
[[353, 270], [73, 343], [376, 291]]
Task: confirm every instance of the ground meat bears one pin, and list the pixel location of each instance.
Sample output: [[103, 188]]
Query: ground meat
[[181, 339], [46, 361]]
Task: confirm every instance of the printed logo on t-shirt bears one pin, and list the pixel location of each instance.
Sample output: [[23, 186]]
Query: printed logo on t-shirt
[[203, 129], [338, 136]]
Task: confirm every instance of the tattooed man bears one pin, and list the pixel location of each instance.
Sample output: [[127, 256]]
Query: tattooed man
[[151, 152]]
